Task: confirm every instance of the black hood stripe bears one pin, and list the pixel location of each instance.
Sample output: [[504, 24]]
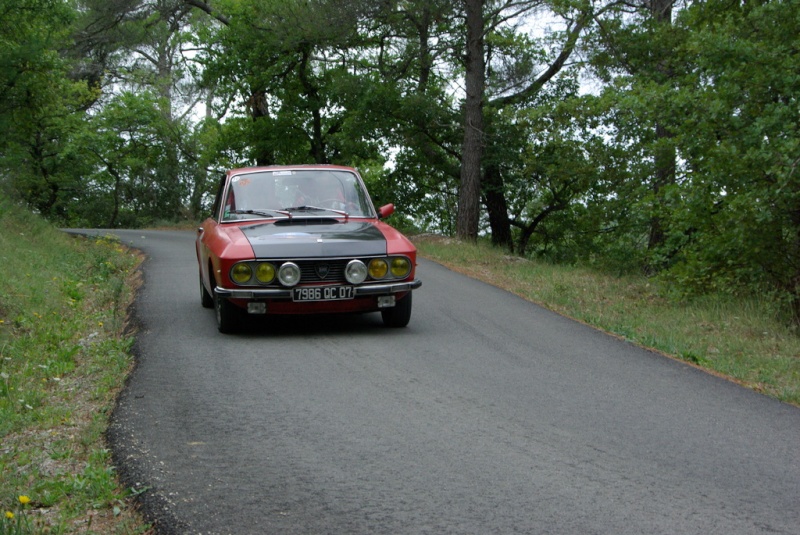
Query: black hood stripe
[[315, 240]]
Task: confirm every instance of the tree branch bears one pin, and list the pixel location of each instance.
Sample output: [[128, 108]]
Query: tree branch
[[572, 38], [203, 6]]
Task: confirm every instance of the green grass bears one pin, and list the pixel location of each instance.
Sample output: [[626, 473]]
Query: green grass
[[63, 358], [742, 340]]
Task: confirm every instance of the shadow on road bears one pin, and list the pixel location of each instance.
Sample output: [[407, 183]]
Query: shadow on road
[[319, 324]]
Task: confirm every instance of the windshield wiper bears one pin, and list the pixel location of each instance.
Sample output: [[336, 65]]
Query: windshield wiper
[[268, 212], [307, 208]]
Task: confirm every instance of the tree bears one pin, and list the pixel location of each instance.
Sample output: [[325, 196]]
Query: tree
[[144, 46], [296, 67], [472, 147], [637, 54], [482, 19], [126, 148], [40, 106], [526, 75], [739, 222], [664, 157], [418, 116]]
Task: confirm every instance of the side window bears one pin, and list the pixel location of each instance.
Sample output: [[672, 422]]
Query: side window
[[218, 198]]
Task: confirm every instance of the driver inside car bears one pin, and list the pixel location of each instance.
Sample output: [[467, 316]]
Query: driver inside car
[[323, 192]]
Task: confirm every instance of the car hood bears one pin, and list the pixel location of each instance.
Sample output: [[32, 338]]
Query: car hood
[[315, 238]]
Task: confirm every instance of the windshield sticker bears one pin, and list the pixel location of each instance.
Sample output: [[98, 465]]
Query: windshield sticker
[[282, 173]]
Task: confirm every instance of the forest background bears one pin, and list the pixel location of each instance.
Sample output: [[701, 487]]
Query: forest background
[[652, 136]]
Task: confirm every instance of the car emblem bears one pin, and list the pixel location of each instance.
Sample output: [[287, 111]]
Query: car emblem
[[322, 270]]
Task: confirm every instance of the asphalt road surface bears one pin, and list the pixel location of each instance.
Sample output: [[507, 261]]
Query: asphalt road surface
[[487, 415]]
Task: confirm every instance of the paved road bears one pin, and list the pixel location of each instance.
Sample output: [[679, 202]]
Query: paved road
[[486, 415]]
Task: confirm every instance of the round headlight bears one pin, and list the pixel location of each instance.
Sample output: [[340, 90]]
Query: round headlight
[[400, 267], [289, 274], [241, 273], [378, 268], [265, 273], [355, 272]]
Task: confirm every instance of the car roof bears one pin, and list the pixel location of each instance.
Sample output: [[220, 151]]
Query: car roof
[[241, 170]]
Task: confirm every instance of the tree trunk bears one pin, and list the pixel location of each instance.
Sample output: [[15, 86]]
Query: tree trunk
[[793, 254], [664, 175], [664, 158], [259, 110], [472, 147], [497, 207]]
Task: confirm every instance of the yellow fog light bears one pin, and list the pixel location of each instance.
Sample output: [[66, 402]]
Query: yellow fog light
[[400, 267], [265, 273], [378, 268], [241, 273]]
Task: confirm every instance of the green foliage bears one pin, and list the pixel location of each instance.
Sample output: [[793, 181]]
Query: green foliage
[[59, 149], [32, 30], [717, 89], [294, 70], [738, 210], [131, 183], [40, 107]]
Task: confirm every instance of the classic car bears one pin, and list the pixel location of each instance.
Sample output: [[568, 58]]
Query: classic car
[[302, 239]]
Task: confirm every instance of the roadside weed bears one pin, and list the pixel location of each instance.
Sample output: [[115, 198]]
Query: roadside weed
[[64, 355], [17, 522]]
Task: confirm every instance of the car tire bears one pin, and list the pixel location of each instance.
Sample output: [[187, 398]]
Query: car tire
[[205, 298], [400, 314], [228, 315]]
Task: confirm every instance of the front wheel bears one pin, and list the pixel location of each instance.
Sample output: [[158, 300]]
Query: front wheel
[[400, 314], [205, 298], [228, 315]]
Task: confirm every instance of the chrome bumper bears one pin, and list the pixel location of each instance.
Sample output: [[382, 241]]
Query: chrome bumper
[[286, 293]]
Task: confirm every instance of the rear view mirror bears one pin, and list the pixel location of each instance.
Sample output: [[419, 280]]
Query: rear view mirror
[[385, 211]]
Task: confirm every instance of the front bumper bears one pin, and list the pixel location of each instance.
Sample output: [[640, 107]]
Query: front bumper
[[286, 293]]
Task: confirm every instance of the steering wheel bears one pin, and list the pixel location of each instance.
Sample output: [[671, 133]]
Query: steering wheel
[[334, 204]]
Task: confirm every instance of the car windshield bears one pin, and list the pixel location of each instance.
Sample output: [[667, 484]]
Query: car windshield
[[288, 193]]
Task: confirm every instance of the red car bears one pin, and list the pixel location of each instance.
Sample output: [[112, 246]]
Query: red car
[[302, 239]]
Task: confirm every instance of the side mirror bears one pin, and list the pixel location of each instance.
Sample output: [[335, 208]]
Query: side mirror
[[385, 211]]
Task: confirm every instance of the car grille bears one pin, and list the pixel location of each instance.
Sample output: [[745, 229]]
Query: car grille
[[321, 270]]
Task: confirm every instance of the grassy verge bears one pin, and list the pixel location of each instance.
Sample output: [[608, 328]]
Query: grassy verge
[[63, 358], [738, 339]]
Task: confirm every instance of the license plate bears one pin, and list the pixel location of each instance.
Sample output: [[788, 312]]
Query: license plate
[[323, 293]]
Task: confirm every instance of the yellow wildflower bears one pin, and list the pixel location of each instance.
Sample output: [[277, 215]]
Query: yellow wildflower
[[24, 500], [9, 515]]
